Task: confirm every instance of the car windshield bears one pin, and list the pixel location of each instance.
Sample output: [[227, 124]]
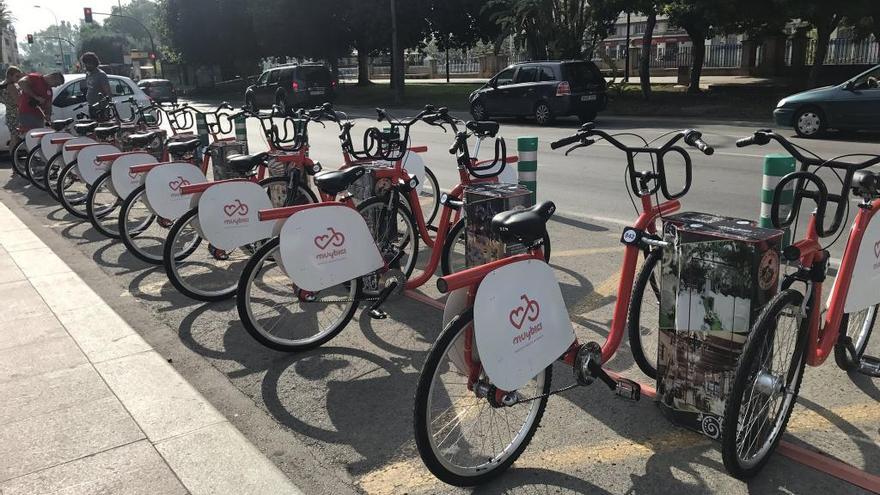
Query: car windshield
[[581, 74], [160, 87], [314, 76], [868, 80]]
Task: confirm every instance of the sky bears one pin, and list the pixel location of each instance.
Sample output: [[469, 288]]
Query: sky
[[28, 19]]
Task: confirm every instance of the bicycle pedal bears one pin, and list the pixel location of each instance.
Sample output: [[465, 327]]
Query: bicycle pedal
[[378, 314], [628, 389], [870, 366]]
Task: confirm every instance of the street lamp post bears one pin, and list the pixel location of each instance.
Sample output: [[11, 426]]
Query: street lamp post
[[149, 34], [58, 27]]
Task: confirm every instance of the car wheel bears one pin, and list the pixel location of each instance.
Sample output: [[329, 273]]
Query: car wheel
[[587, 116], [250, 103], [543, 114], [281, 101], [478, 111], [809, 122]]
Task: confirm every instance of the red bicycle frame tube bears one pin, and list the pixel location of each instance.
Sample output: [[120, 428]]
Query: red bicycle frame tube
[[203, 186], [822, 339], [60, 140]]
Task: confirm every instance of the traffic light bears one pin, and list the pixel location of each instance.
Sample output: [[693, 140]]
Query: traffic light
[[87, 13], [30, 39]]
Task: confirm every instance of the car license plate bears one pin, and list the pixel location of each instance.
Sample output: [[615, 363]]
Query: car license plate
[[588, 98], [316, 91]]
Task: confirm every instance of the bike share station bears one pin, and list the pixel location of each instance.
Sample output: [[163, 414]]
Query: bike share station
[[714, 276]]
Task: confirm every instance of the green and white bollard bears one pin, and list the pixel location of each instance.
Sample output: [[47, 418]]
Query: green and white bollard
[[202, 133], [527, 166], [777, 166], [241, 132]]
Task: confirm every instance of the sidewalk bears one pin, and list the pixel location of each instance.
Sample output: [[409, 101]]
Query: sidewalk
[[89, 407]]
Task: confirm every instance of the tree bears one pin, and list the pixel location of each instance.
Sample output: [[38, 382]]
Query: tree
[[43, 55], [696, 18], [145, 11]]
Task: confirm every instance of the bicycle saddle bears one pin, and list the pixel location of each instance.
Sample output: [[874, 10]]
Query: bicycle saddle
[[105, 132], [865, 183], [483, 128], [143, 139], [246, 163], [525, 226], [183, 147], [336, 181], [85, 128], [61, 124]]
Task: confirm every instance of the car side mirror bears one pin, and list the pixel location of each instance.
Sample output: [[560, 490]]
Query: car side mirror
[[493, 83]]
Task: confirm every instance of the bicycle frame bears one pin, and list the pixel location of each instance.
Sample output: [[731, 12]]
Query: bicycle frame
[[822, 335]]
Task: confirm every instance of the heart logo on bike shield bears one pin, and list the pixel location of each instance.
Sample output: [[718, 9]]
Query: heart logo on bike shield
[[236, 207], [531, 309], [877, 249], [335, 238], [176, 184]]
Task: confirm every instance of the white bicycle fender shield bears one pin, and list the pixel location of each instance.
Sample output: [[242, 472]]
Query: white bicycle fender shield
[[163, 185], [124, 182], [89, 169], [70, 156], [415, 167], [520, 322], [229, 214], [327, 245], [864, 286], [31, 141], [47, 148]]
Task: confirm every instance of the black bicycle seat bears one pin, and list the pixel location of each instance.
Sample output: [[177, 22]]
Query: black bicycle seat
[[336, 181], [246, 163], [85, 128], [143, 139], [865, 183], [61, 124], [483, 128], [525, 226], [183, 147], [105, 132]]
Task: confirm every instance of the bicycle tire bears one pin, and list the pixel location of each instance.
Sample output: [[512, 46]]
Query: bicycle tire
[[844, 359], [378, 202], [258, 262], [68, 203], [283, 180], [127, 236], [32, 170], [50, 178], [753, 354], [435, 186], [19, 159], [422, 417], [634, 313], [95, 216], [448, 266]]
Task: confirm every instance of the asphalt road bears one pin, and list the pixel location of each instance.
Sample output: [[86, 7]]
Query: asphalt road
[[348, 405]]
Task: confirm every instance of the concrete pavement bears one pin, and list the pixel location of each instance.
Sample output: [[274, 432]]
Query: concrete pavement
[[90, 407]]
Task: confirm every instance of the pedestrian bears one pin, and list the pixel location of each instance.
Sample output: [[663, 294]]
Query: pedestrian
[[10, 99], [35, 101], [97, 83]]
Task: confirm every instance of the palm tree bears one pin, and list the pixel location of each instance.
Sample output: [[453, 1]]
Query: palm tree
[[5, 22]]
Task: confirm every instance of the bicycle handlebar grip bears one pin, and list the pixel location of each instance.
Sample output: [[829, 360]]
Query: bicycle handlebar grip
[[565, 141], [742, 143], [705, 148]]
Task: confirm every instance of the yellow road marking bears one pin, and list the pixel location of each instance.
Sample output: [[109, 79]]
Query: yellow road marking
[[584, 252], [410, 474]]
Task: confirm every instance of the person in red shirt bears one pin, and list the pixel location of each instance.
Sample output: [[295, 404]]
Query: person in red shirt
[[35, 102]]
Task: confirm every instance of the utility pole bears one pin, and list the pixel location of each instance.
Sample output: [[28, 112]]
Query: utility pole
[[626, 69], [397, 76]]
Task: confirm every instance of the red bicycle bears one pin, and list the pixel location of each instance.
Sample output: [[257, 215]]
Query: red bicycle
[[485, 384], [796, 327]]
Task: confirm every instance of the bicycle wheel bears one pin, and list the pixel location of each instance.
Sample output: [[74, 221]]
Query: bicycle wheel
[[283, 317], [464, 439], [72, 191], [101, 204], [35, 168], [50, 178], [19, 159], [140, 230], [643, 315], [429, 197], [453, 256], [765, 387], [276, 188], [392, 235], [855, 328]]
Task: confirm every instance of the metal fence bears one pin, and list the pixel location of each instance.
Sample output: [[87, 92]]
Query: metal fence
[[728, 55], [843, 51]]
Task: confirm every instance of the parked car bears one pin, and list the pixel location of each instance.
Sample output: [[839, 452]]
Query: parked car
[[68, 96], [543, 90], [291, 86], [852, 105], [4, 131], [159, 90]]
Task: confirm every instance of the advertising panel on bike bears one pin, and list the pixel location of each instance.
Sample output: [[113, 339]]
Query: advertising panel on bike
[[47, 148], [866, 274], [326, 246], [89, 169], [32, 140], [70, 155], [123, 181], [163, 185], [520, 322], [415, 167], [228, 214]]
